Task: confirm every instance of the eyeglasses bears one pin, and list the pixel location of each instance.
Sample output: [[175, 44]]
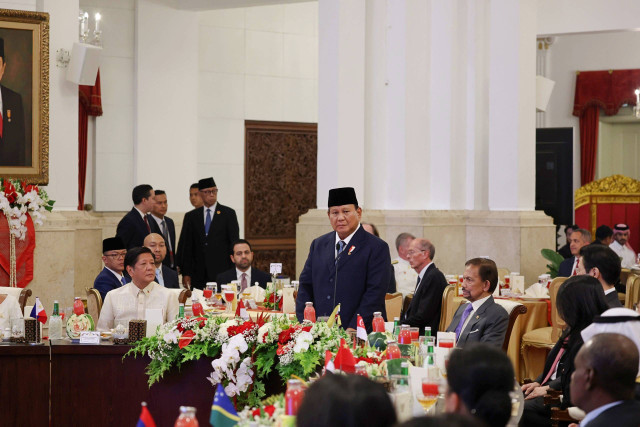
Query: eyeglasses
[[209, 191], [411, 252], [116, 255]]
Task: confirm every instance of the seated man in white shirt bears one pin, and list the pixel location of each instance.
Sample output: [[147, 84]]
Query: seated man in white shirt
[[165, 276], [603, 382], [130, 301], [621, 245], [405, 275]]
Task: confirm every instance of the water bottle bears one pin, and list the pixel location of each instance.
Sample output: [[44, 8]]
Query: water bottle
[[55, 323]]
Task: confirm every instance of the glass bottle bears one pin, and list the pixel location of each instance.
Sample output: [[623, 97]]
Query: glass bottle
[[393, 351], [293, 397], [309, 312], [187, 417], [396, 326], [181, 311], [427, 331], [405, 335], [378, 322], [196, 307], [55, 323]]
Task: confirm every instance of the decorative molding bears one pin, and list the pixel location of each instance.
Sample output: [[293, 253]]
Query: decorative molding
[[614, 185]]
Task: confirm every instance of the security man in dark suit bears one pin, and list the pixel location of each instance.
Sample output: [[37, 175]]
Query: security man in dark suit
[[12, 130], [164, 275], [426, 304], [481, 319], [137, 223], [347, 266], [111, 276], [166, 226], [208, 232], [243, 272]]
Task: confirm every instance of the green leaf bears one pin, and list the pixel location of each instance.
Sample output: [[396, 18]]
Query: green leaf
[[265, 359], [555, 260], [308, 361]]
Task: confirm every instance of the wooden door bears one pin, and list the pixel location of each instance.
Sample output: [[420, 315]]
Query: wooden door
[[280, 185]]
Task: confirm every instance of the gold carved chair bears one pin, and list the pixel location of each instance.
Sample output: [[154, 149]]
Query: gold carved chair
[[514, 309], [449, 306], [632, 297], [537, 343], [94, 303], [393, 305]]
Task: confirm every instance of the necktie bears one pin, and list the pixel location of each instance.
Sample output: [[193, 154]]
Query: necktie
[[243, 282], [146, 221], [417, 284], [165, 233], [207, 222], [159, 276], [555, 364], [575, 270], [467, 311], [340, 247], [123, 280]]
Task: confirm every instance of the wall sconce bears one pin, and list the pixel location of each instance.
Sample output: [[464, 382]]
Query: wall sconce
[[636, 109], [86, 36]]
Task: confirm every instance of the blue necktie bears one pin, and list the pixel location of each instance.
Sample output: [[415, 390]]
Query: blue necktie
[[207, 222], [123, 280], [465, 314], [340, 247]]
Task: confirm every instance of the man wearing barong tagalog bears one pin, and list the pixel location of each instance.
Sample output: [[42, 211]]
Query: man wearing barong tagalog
[[347, 266]]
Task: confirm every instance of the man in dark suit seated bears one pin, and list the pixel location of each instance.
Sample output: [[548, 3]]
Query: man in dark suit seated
[[164, 275], [426, 303], [111, 277], [243, 272], [579, 238], [137, 223], [604, 236], [603, 382], [208, 232], [564, 250], [166, 226], [602, 263], [347, 266], [481, 319]]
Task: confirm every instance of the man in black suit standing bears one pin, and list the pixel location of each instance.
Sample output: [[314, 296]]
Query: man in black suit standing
[[164, 275], [111, 276], [209, 232], [196, 202], [577, 239], [481, 319], [602, 263], [347, 266], [426, 303], [166, 226], [243, 272], [603, 382], [137, 223], [12, 130]]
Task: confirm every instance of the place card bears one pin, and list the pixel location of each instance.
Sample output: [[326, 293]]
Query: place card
[[90, 337], [251, 304], [517, 284], [275, 268]]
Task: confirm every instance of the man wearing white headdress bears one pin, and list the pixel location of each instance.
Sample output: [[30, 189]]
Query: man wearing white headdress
[[621, 246]]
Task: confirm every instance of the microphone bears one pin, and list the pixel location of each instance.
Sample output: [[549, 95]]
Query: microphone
[[335, 279]]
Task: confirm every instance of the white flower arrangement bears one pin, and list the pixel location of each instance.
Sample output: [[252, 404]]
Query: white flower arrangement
[[17, 200]]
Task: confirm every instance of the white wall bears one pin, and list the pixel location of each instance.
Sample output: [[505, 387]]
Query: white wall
[[257, 63], [580, 16], [585, 52], [618, 150]]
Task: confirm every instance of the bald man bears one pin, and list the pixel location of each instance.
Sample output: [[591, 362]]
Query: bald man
[[603, 382], [165, 276]]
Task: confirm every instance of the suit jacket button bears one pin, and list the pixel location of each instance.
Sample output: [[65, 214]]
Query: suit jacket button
[[206, 243], [331, 280], [328, 296]]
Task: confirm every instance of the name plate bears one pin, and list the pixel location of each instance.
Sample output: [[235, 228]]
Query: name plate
[[90, 337], [251, 304], [275, 268]]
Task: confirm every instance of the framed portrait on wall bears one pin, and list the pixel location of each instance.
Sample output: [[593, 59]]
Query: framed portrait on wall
[[24, 95]]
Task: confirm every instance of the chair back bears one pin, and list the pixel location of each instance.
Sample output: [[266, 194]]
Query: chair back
[[514, 309], [502, 272], [557, 324], [21, 294], [449, 306], [393, 305], [633, 291], [624, 275], [406, 303], [94, 303], [184, 296]]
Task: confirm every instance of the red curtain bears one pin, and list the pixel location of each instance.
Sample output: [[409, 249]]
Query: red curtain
[[607, 90], [589, 121], [90, 105]]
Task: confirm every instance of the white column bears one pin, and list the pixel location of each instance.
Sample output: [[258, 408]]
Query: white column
[[341, 97]]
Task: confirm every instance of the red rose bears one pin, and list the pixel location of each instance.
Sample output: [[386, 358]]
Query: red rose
[[10, 191], [186, 339], [255, 412], [270, 409]]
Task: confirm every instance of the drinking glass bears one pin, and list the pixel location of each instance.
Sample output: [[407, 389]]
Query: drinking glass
[[208, 292], [428, 394], [229, 295], [415, 335], [17, 328], [361, 370], [218, 296]]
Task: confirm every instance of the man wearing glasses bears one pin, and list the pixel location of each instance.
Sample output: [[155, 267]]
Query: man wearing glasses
[[111, 277], [208, 233]]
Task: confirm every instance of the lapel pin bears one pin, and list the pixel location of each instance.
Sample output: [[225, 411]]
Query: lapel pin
[[218, 212], [477, 317], [351, 250], [9, 116]]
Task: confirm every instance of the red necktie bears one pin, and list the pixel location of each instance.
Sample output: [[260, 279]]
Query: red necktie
[[146, 221], [243, 282], [575, 270]]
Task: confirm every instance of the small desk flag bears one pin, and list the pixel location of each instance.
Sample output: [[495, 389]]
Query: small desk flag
[[145, 419], [37, 312], [223, 414], [361, 332]]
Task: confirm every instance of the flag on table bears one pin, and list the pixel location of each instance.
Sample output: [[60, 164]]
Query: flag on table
[[328, 363], [361, 331], [223, 414], [37, 312], [241, 311], [145, 419], [344, 360]]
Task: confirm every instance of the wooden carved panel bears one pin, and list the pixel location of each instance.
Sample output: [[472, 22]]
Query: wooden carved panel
[[280, 185]]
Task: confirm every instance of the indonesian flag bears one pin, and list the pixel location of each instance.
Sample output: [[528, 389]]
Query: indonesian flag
[[361, 331], [241, 311], [37, 312]]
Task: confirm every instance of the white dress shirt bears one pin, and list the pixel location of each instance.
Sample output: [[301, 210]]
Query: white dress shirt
[[118, 276], [142, 214], [129, 302], [9, 309], [239, 276], [627, 255], [346, 240], [212, 208], [421, 275]]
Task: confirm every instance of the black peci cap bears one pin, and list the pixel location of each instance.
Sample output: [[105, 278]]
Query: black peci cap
[[206, 183], [342, 196], [112, 244]]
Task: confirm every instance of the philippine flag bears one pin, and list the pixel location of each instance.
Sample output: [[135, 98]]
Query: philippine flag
[[361, 332], [37, 312]]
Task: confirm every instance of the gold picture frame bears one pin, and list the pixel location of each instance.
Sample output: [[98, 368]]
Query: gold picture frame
[[24, 89]]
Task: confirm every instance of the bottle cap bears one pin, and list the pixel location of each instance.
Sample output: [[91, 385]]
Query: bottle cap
[[377, 313]]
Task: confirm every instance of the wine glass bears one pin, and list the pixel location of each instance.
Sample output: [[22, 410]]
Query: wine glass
[[218, 296], [208, 292], [229, 295], [428, 395]]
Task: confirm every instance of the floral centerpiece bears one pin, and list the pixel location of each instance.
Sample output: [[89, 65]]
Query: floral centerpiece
[[19, 199], [244, 352]]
